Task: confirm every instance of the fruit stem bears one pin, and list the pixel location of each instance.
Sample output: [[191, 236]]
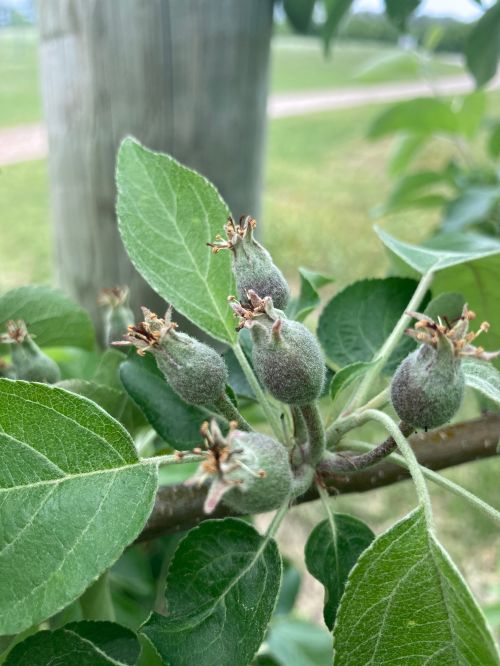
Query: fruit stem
[[224, 405], [316, 440], [333, 463], [390, 344], [299, 425]]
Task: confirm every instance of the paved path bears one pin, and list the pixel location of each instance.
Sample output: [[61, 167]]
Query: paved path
[[22, 143], [29, 142], [296, 104]]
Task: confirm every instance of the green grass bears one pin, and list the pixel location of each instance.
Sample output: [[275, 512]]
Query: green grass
[[25, 250], [298, 64], [320, 189], [19, 87]]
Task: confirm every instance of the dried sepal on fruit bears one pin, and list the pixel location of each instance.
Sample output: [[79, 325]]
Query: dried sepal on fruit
[[287, 357], [248, 471], [28, 361], [427, 388], [253, 266], [117, 314], [195, 371]]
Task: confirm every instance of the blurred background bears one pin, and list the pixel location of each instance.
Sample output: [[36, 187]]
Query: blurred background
[[280, 105]]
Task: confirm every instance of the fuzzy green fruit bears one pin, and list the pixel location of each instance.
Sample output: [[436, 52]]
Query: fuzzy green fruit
[[195, 371], [253, 266], [117, 314], [286, 356], [248, 471], [28, 360], [289, 363], [259, 492], [428, 386]]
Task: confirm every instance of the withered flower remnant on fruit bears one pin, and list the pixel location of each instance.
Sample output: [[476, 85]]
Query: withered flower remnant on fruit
[[428, 386], [253, 266], [29, 362], [248, 471], [195, 371], [287, 357], [117, 314]]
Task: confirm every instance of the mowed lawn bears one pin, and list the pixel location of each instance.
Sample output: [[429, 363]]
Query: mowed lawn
[[20, 100], [299, 63]]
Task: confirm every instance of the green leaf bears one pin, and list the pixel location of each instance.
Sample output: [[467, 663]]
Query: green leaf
[[336, 10], [108, 369], [356, 322], [447, 252], [73, 496], [405, 602], [265, 660], [290, 586], [399, 11], [52, 317], [426, 115], [383, 67], [237, 378], [494, 141], [345, 377], [221, 590], [404, 150], [173, 419], [308, 298], [468, 264], [471, 113], [483, 377], [473, 205], [477, 281], [448, 305], [483, 46], [167, 214], [295, 642], [416, 190], [116, 403], [78, 644], [299, 13], [332, 553]]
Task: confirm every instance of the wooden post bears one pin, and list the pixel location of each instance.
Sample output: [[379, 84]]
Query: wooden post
[[188, 77]]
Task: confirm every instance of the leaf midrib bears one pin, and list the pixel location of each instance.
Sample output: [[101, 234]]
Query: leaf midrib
[[78, 424], [69, 477], [95, 647], [194, 621], [196, 269]]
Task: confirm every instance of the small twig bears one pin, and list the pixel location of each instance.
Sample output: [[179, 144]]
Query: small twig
[[316, 442], [225, 407], [335, 463], [299, 425]]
